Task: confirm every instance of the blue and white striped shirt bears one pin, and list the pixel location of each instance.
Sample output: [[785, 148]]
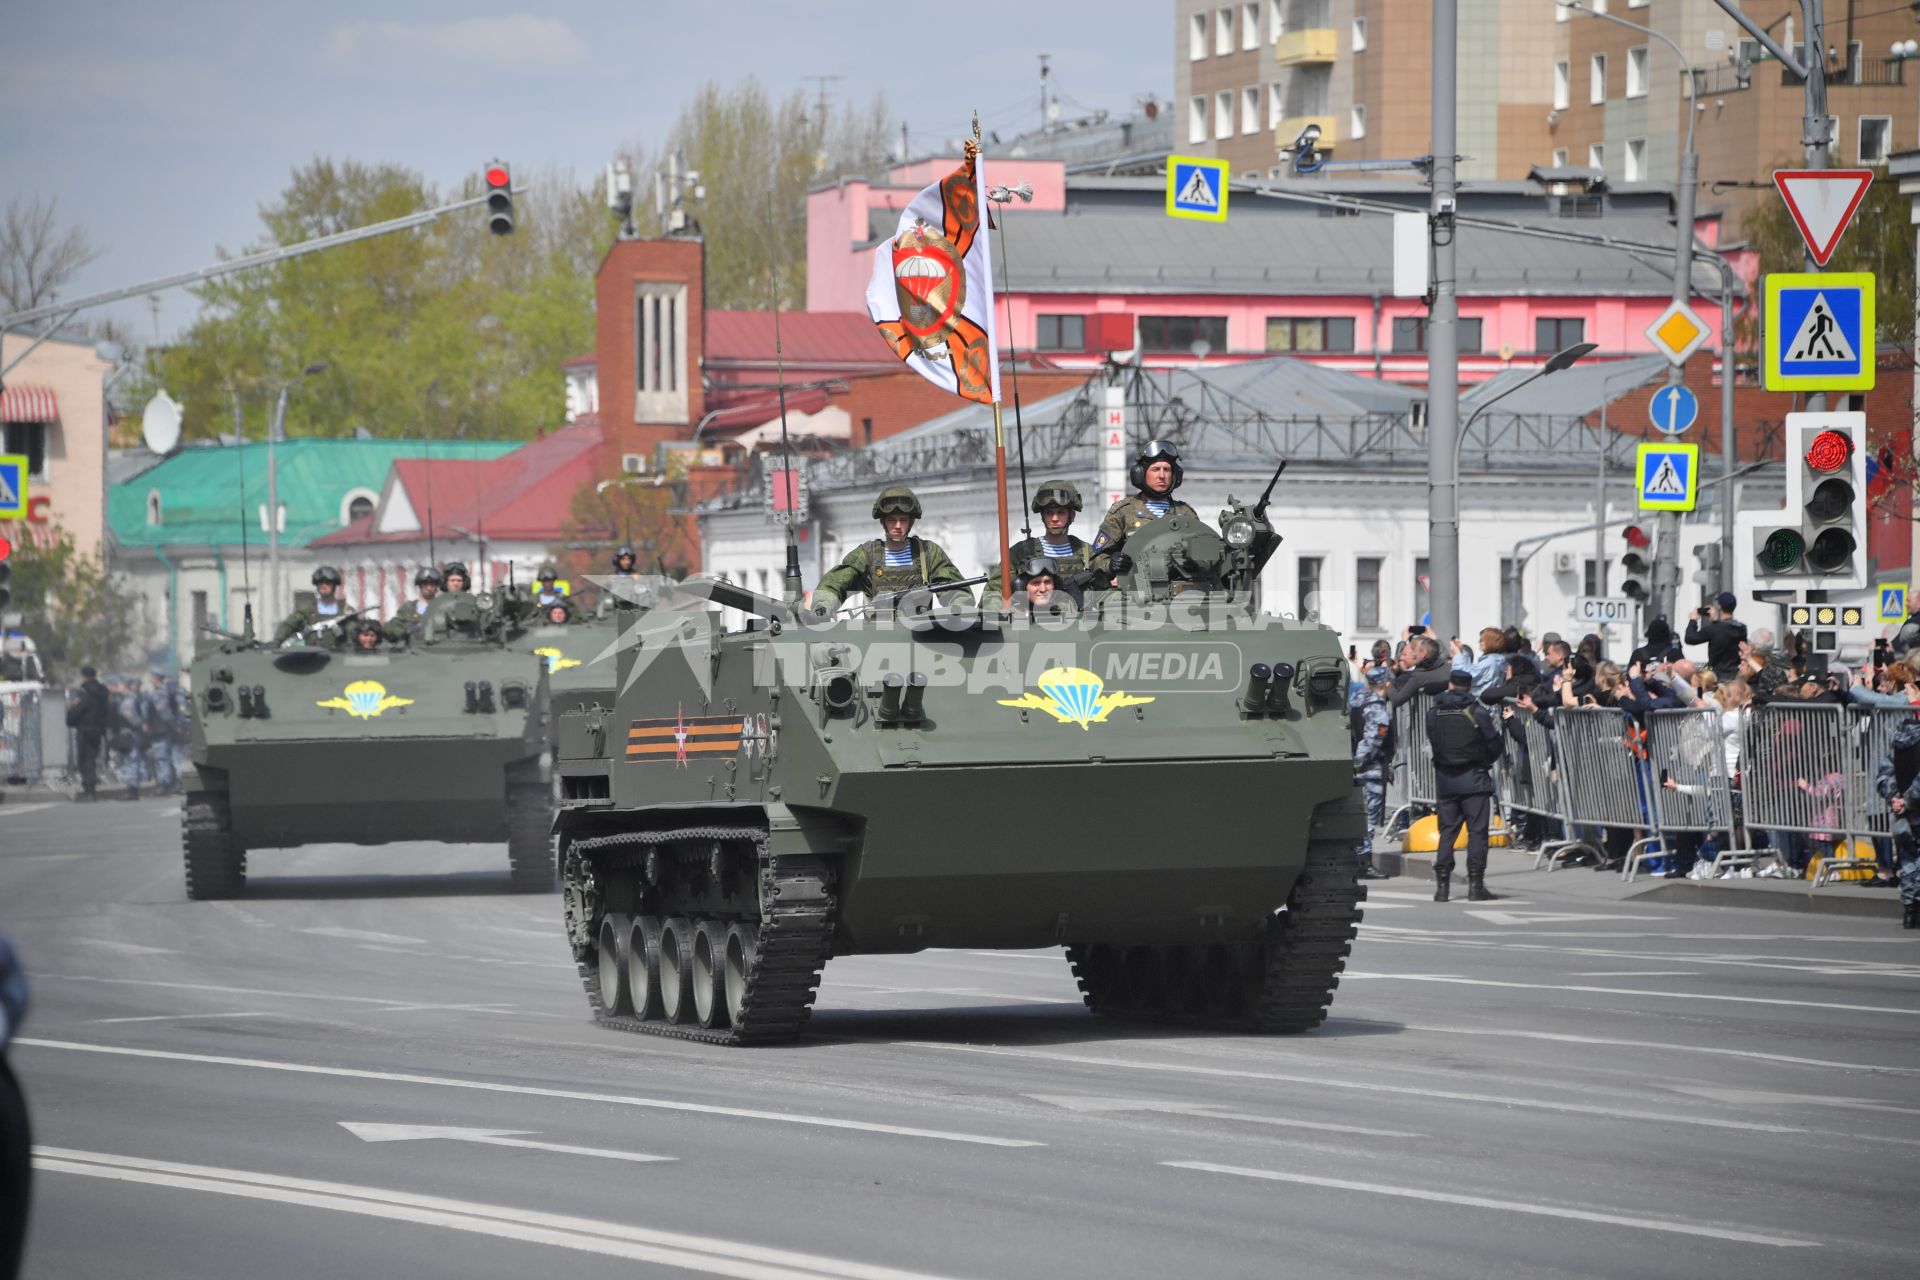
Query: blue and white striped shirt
[[1056, 550], [1159, 506], [901, 559]]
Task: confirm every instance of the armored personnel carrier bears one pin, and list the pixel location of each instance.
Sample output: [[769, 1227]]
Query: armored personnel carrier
[[319, 743], [578, 657], [1159, 780]]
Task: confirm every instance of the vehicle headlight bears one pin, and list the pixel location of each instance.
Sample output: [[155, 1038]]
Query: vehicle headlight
[[1239, 533]]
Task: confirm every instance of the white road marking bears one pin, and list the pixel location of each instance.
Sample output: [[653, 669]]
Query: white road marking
[[1411, 1091], [575, 1095], [1823, 1064], [1639, 973], [244, 991], [487, 1137], [966, 993], [173, 1017], [1100, 1105], [1811, 1098], [704, 1254], [1655, 995], [1054, 957], [1505, 917], [45, 857], [1506, 1206], [363, 935], [132, 948], [16, 810]]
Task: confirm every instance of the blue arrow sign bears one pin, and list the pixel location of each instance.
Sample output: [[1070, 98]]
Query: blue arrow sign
[[1674, 409]]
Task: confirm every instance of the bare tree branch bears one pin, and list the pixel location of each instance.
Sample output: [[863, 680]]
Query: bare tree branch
[[37, 257]]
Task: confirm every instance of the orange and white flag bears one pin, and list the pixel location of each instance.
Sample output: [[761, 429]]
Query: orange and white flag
[[932, 288]]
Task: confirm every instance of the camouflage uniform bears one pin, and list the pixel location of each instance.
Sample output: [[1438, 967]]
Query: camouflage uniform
[[128, 740], [1899, 775], [405, 622], [1372, 758], [1123, 519], [865, 569], [166, 708], [302, 618]]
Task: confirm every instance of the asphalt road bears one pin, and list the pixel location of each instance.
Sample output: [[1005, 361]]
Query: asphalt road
[[379, 1063]]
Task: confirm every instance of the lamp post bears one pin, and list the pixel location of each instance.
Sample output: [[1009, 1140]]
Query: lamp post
[[275, 430]]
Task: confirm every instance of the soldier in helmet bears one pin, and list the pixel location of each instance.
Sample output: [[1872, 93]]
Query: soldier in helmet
[[328, 606], [1155, 474], [408, 618], [366, 635], [897, 562], [547, 585], [456, 577], [1042, 587], [624, 562], [558, 613], [1056, 502]]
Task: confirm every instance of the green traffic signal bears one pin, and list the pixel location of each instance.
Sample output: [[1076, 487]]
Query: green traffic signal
[[1782, 550]]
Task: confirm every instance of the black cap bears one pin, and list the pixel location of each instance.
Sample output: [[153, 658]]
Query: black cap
[[88, 673], [1460, 679]]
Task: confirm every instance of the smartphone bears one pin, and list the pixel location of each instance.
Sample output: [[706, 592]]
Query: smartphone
[[1416, 630]]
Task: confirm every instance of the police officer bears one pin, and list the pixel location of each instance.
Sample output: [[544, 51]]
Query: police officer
[[623, 562], [548, 589], [1056, 502], [166, 729], [410, 616], [1371, 718], [1156, 472], [128, 740], [89, 713], [1466, 744], [897, 562], [328, 605], [454, 574]]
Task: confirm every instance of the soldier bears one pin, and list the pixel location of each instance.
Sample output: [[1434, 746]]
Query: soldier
[[1155, 474], [557, 614], [327, 605], [548, 589], [623, 562], [1043, 587], [1055, 501], [1372, 721], [128, 739], [367, 635], [166, 729], [456, 577], [897, 562], [409, 617]]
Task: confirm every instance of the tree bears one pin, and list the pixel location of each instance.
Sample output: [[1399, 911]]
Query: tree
[[629, 512], [37, 257], [1880, 240], [446, 329], [72, 606]]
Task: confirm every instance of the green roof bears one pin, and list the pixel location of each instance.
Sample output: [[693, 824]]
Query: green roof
[[201, 488]]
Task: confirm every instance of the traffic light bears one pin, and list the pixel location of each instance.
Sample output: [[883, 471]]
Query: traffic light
[[1708, 574], [6, 573], [499, 199], [1636, 571], [1819, 540]]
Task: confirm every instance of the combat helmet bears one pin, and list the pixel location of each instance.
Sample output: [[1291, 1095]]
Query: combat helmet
[[452, 567], [428, 575], [1155, 451], [898, 500], [1056, 493], [326, 573], [624, 553], [549, 572]]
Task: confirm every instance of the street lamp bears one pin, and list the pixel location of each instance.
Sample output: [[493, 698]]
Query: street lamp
[[1558, 361], [275, 431]]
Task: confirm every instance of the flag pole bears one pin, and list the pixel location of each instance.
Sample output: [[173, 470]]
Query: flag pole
[[999, 431]]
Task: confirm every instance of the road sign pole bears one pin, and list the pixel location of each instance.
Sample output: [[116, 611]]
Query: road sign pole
[[1666, 547], [1443, 349]]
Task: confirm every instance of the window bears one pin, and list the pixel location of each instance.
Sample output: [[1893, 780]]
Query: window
[[1591, 582], [153, 506], [659, 337], [1250, 109], [1061, 333], [1309, 600], [359, 509], [1222, 32], [1561, 15], [1359, 35], [1410, 334], [202, 619], [1309, 333], [1197, 120], [1179, 333], [1197, 38], [1510, 607], [1357, 121], [29, 438], [1276, 21], [1275, 104], [1637, 72], [1597, 156], [1250, 26], [1422, 591], [1223, 114], [1597, 79], [1876, 139], [1559, 157], [1551, 333], [1636, 4], [1636, 159], [1366, 592], [1562, 85]]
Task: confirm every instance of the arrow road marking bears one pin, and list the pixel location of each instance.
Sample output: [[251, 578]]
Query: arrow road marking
[[488, 1137], [1073, 1103]]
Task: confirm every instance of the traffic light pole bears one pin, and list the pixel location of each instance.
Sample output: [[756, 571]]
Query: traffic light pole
[[1666, 547], [1443, 343]]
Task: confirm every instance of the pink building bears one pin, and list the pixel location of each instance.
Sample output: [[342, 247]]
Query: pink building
[[1095, 265]]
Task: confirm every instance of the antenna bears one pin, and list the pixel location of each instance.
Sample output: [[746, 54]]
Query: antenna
[[246, 576], [791, 589], [1045, 119], [426, 450]]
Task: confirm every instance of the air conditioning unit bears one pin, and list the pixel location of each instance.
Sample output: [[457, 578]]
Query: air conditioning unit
[[634, 464], [1563, 562]]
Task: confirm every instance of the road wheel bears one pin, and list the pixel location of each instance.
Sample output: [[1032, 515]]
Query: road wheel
[[743, 953], [709, 974], [216, 865], [676, 969], [615, 933], [643, 966]]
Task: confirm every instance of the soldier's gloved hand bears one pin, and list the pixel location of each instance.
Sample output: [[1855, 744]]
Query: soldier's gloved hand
[[1121, 563]]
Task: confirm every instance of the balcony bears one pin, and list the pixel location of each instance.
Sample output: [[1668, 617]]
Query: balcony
[[1306, 47], [1288, 131]]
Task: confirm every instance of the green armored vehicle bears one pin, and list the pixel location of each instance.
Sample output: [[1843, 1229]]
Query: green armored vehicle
[[578, 656], [326, 742], [1160, 780]]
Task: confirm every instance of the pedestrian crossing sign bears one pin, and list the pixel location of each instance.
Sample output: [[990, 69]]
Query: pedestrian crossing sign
[[1197, 188], [13, 486], [1668, 476], [1820, 332], [1893, 602]]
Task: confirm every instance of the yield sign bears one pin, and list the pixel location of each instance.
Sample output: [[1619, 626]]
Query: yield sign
[[1822, 202]]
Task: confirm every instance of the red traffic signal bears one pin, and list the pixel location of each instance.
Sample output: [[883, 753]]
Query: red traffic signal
[[1636, 536], [499, 199], [1830, 451], [6, 549]]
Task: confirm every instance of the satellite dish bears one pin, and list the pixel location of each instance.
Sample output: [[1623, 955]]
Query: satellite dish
[[1201, 348], [1506, 351], [160, 424]]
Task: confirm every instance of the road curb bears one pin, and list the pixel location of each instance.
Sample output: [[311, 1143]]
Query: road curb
[[1779, 896]]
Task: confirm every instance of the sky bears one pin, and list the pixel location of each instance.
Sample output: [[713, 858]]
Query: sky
[[162, 128]]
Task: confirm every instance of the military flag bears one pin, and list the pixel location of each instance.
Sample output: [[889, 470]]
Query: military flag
[[932, 288]]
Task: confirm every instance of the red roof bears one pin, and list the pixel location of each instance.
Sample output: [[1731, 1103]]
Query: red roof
[[586, 361], [524, 495], [766, 408], [808, 339]]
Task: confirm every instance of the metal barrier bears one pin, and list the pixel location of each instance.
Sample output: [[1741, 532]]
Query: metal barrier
[[1691, 790], [1413, 754], [20, 754], [1602, 756], [1802, 773], [1531, 782]]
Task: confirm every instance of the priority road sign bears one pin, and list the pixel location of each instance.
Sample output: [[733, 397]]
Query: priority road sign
[[1668, 476], [1819, 331], [1822, 202], [1197, 188], [1893, 602], [13, 486], [1677, 332], [1674, 409]]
